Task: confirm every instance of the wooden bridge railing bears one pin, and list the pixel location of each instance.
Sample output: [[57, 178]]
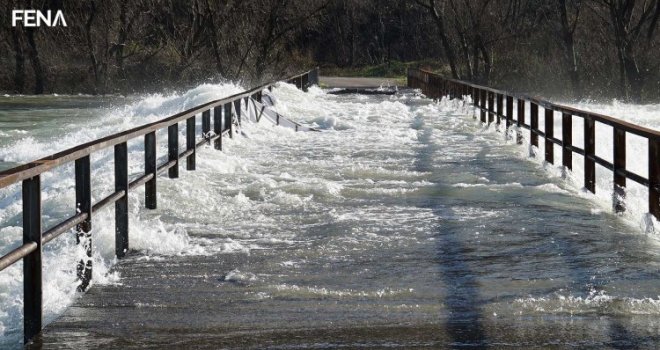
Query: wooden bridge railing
[[226, 112], [490, 103]]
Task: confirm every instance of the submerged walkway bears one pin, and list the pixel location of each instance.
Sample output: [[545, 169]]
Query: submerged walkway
[[358, 83], [406, 226]]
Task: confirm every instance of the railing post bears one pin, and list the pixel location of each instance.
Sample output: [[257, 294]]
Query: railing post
[[619, 163], [228, 119], [567, 140], [32, 279], [589, 152], [509, 111], [173, 149], [500, 107], [520, 121], [534, 123], [442, 88], [491, 107], [314, 77], [482, 99], [121, 205], [206, 124], [654, 177], [246, 103], [83, 234], [217, 127], [305, 82], [475, 100], [549, 134], [237, 108], [190, 142], [150, 199]]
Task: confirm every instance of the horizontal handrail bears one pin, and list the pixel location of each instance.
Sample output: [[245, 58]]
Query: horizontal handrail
[[490, 102], [605, 119], [17, 254], [26, 171]]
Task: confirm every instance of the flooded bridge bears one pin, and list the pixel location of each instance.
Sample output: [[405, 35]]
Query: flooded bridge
[[406, 222]]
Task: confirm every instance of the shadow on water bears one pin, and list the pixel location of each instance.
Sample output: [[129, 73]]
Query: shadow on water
[[464, 302], [462, 299]]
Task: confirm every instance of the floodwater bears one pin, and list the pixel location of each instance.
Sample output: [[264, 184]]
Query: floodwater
[[403, 224]]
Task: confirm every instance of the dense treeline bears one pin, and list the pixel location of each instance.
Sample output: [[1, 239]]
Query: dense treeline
[[578, 48], [128, 45]]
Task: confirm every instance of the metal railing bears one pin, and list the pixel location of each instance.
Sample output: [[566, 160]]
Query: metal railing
[[226, 113], [490, 103]]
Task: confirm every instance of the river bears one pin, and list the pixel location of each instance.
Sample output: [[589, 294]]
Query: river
[[404, 223]]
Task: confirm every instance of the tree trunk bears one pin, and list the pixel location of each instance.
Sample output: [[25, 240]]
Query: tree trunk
[[487, 60], [121, 37], [570, 54], [466, 56], [444, 39], [90, 46], [446, 45], [19, 62], [635, 80], [39, 76]]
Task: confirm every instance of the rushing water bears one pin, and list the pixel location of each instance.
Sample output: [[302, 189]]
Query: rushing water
[[402, 213]]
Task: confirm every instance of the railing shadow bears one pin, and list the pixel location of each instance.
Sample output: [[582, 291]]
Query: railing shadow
[[465, 319], [462, 300]]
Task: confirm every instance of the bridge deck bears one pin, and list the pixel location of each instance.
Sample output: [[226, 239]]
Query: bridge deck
[[359, 83], [429, 234]]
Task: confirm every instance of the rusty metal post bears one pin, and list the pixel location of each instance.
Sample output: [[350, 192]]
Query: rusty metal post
[[217, 127], [190, 143], [567, 140], [500, 108], [509, 111], [589, 152], [121, 205], [654, 177], [237, 109], [229, 124], [150, 199], [619, 163], [491, 107], [305, 82], [32, 279], [482, 110], [206, 124], [549, 134], [475, 100], [173, 150], [83, 230], [534, 123], [520, 120]]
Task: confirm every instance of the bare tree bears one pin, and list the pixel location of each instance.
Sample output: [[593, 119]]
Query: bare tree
[[568, 26], [439, 19], [633, 26]]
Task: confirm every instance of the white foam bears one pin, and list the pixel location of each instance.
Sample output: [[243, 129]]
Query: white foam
[[636, 214], [596, 303], [148, 234]]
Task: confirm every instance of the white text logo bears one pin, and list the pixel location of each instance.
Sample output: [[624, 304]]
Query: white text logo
[[35, 18]]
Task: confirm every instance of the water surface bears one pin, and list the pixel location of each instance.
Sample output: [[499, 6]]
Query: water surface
[[403, 224]]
